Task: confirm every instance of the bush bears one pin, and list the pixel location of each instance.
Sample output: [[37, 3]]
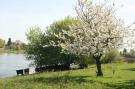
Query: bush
[[132, 52], [112, 55], [2, 43]]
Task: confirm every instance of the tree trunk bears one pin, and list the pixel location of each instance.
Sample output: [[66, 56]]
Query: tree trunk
[[98, 64]]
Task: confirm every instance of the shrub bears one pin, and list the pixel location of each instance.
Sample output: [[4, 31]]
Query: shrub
[[112, 55]]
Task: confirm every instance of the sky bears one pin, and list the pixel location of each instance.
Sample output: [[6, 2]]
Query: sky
[[17, 16]]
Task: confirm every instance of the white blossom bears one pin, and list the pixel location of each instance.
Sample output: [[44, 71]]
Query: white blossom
[[97, 31]]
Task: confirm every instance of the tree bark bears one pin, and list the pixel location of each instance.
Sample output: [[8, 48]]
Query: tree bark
[[99, 69]]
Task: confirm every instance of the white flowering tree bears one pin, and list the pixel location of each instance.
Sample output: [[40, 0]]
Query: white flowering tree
[[97, 31]]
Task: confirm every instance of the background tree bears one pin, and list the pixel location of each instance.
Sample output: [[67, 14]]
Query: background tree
[[124, 51], [98, 30], [34, 48], [43, 47], [111, 55], [132, 52], [18, 45], [9, 43], [57, 28], [2, 43]]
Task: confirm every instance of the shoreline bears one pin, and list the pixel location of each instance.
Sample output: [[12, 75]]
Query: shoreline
[[2, 51], [32, 71]]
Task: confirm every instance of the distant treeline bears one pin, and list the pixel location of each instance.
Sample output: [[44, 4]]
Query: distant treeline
[[10, 45]]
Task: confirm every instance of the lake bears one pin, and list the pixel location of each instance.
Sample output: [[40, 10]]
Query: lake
[[9, 63]]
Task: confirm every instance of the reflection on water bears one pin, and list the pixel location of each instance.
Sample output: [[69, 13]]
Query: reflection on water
[[9, 63]]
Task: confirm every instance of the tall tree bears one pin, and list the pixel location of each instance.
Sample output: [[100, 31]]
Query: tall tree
[[98, 30], [9, 43]]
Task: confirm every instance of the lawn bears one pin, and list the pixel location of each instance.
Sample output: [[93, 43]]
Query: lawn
[[116, 76]]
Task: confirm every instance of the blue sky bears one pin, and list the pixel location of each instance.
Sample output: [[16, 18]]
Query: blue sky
[[17, 16]]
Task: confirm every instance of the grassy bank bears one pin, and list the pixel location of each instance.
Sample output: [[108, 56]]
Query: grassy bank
[[11, 51], [116, 76]]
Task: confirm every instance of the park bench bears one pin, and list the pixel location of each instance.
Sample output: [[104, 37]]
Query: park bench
[[19, 72], [22, 71]]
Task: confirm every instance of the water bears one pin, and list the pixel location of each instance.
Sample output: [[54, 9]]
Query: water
[[9, 63]]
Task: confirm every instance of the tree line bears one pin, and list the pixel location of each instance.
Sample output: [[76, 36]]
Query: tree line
[[10, 45]]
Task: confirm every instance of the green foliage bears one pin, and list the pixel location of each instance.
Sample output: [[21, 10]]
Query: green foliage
[[2, 43], [112, 55], [34, 47], [12, 47], [132, 52], [18, 46], [123, 78], [58, 26], [42, 46], [86, 60], [34, 35]]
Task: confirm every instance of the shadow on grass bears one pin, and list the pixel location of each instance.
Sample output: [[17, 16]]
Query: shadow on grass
[[63, 79], [130, 69], [125, 85], [81, 79]]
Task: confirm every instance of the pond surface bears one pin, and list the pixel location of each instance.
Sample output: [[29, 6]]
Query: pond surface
[[9, 63]]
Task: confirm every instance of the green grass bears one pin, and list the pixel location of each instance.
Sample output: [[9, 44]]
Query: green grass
[[116, 76]]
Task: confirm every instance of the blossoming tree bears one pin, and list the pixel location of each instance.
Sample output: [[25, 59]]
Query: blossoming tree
[[98, 30]]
